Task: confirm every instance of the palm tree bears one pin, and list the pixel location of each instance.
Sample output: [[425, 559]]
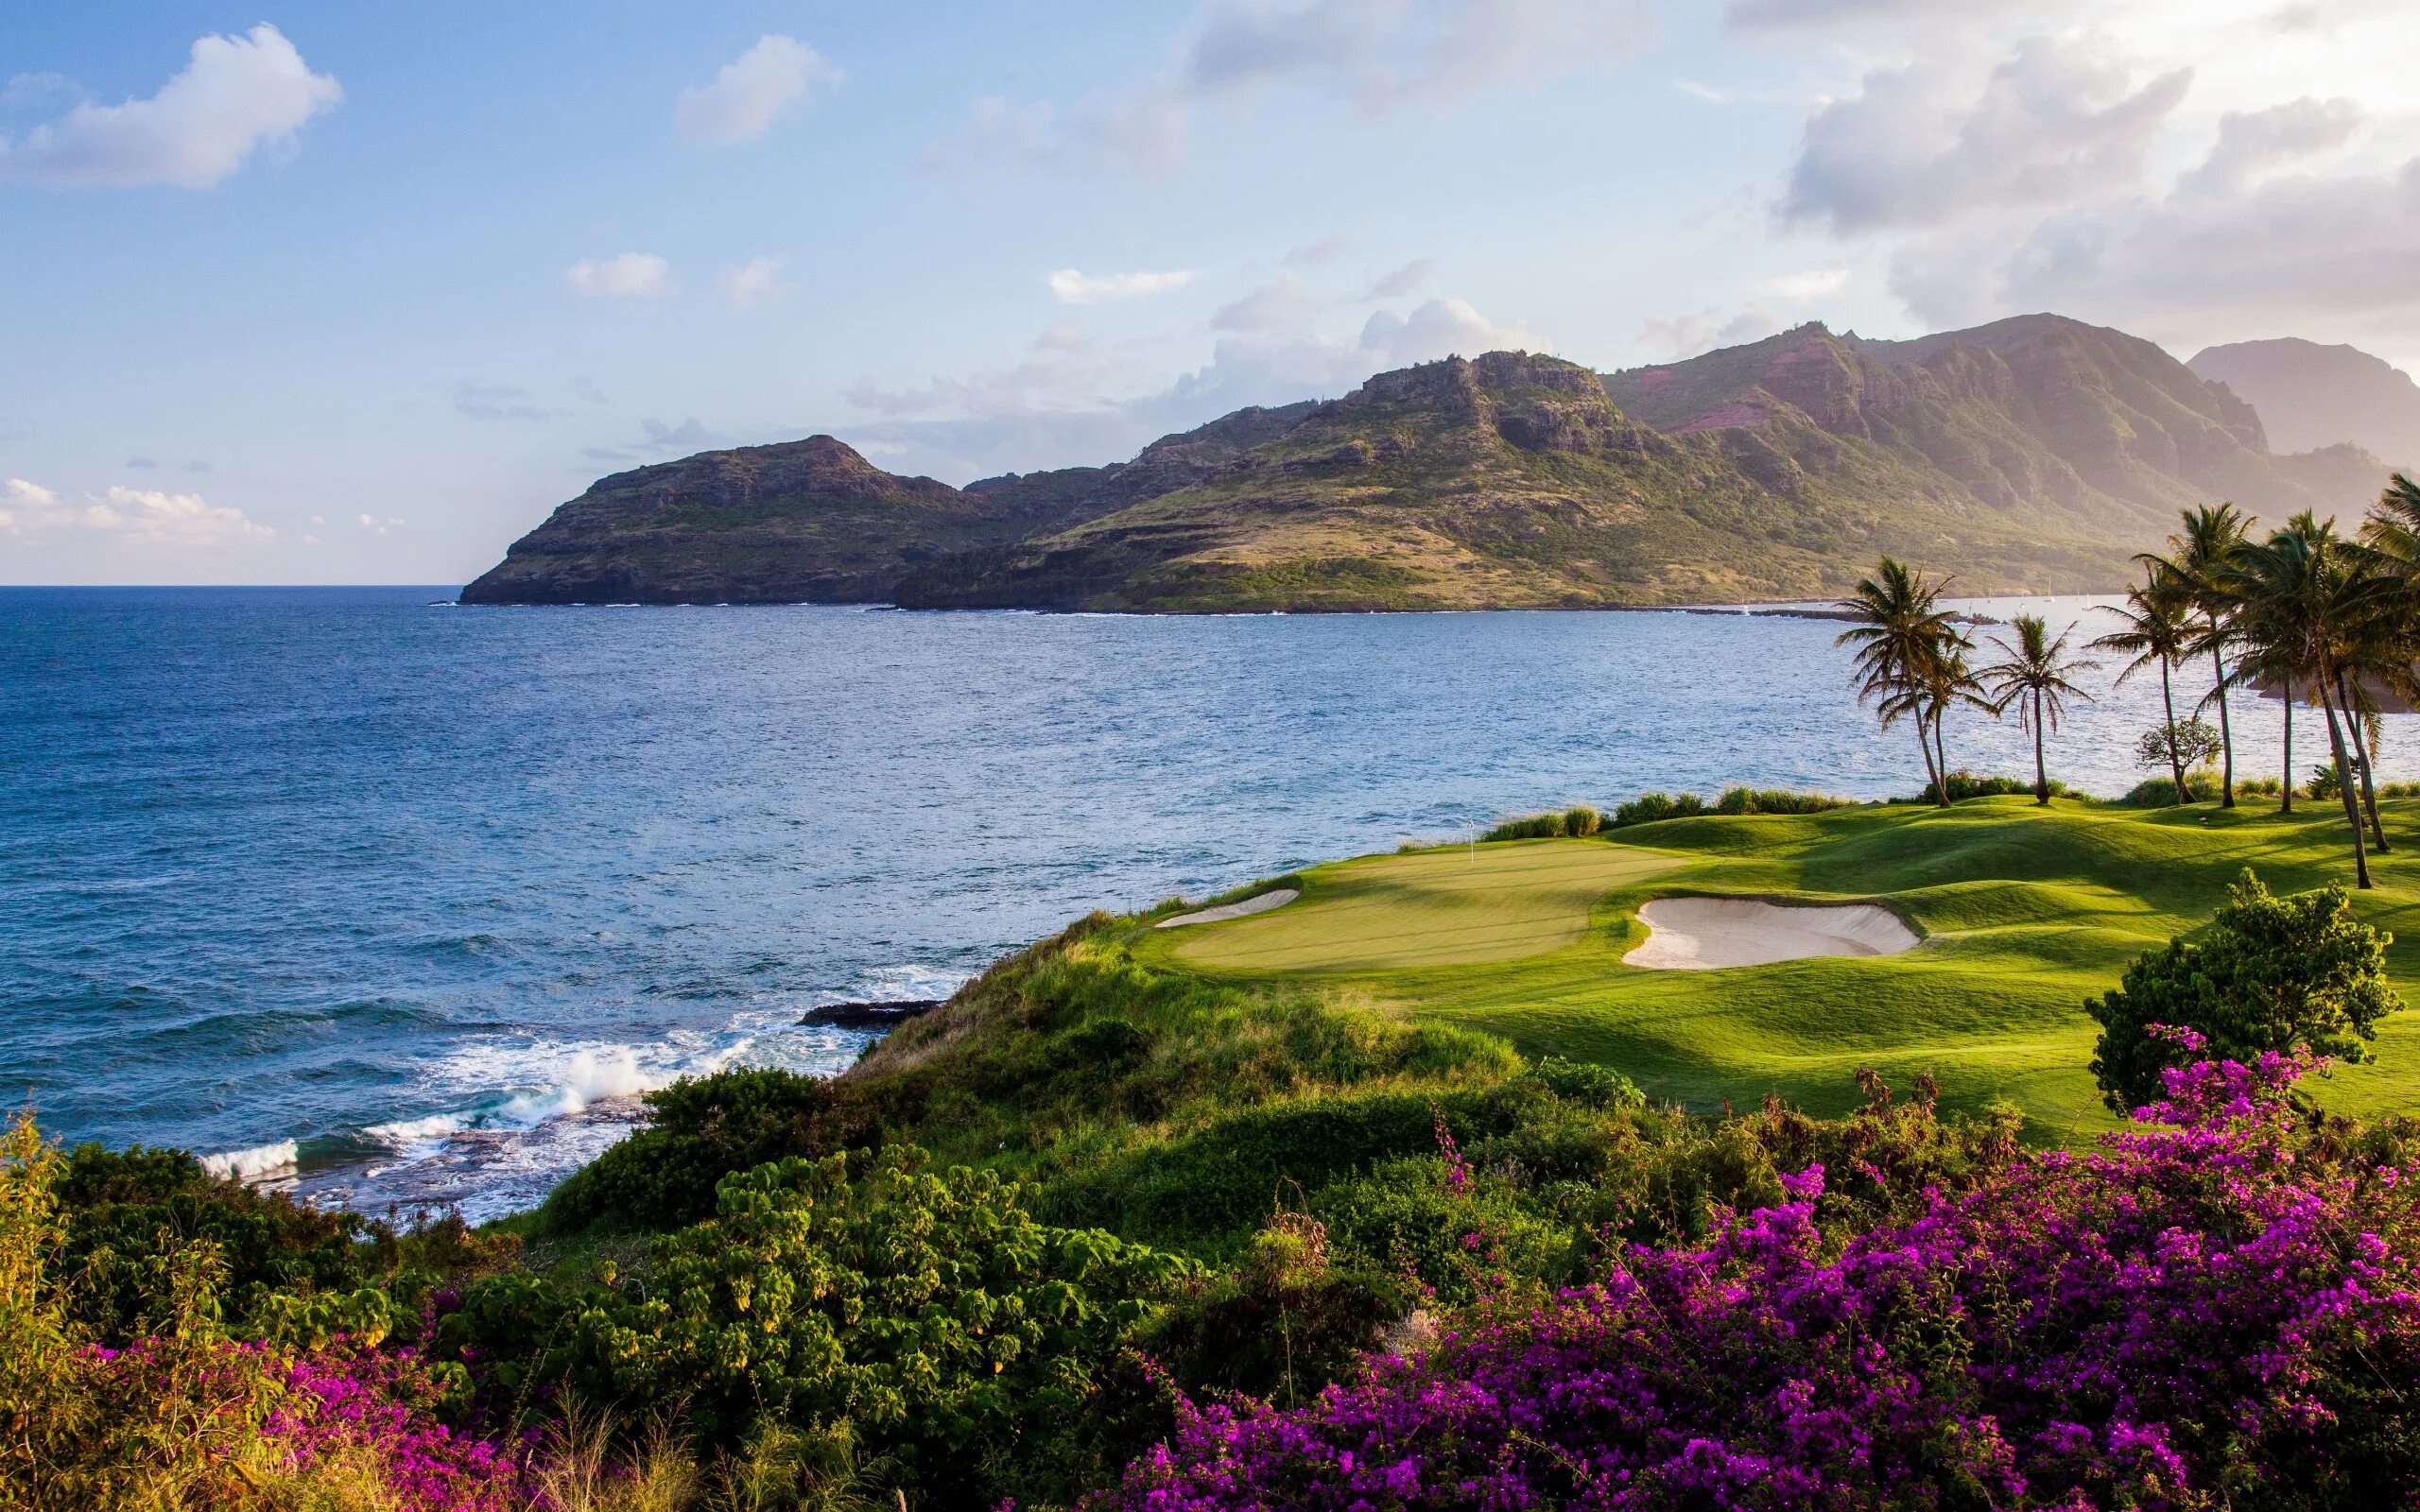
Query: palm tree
[[2197, 557], [1900, 634], [2033, 675], [2305, 601], [2157, 633]]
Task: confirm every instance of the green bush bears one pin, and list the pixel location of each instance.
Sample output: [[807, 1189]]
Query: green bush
[[1531, 827], [1581, 821], [2323, 784], [1648, 808], [702, 1128], [2269, 975], [2266, 787], [1966, 785], [969, 1349], [1774, 801]]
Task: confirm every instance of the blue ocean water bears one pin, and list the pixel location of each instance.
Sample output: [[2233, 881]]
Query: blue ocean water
[[392, 900]]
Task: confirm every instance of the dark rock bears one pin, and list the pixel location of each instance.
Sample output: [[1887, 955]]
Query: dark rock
[[884, 1015]]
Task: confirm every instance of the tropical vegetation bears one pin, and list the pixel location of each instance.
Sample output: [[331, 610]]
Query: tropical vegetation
[[1406, 1195]]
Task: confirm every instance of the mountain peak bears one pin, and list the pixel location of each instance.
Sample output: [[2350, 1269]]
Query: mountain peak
[[2311, 396]]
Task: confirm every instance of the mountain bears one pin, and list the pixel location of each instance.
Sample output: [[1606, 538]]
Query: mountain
[[2032, 454], [805, 520], [2311, 396]]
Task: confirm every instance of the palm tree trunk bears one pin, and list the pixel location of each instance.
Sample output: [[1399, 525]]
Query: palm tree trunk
[[1932, 777], [2345, 788], [2226, 731], [1941, 753], [2286, 789], [2361, 766], [2175, 763], [2041, 772]]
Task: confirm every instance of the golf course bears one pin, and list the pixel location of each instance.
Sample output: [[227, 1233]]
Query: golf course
[[2025, 912]]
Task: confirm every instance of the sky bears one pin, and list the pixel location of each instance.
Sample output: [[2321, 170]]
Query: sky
[[334, 293]]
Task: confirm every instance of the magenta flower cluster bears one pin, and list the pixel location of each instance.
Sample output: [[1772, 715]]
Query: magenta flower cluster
[[2208, 1308], [356, 1406]]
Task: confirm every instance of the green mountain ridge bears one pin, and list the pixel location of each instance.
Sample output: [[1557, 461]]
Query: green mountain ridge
[[2032, 454]]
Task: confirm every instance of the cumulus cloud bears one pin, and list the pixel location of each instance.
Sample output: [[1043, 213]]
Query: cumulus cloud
[[1067, 401], [756, 280], [1405, 279], [2253, 142], [2058, 119], [236, 96], [1278, 304], [1671, 338], [623, 276], [27, 505], [1371, 56], [751, 93], [2294, 251], [143, 516], [1072, 286]]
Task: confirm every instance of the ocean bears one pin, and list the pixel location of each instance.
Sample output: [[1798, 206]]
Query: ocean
[[398, 904]]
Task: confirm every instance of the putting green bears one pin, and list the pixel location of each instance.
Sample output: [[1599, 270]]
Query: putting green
[[1457, 906], [2027, 912]]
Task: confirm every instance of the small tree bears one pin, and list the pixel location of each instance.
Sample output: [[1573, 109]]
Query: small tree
[[2271, 974], [2180, 747]]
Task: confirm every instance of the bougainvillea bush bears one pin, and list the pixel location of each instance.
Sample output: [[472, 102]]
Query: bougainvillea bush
[[2217, 1308]]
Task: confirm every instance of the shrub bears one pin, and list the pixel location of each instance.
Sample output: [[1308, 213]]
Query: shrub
[[702, 1128], [2389, 789], [2269, 974], [1774, 801], [2076, 1331], [2322, 784], [967, 1347], [1534, 826], [1966, 785], [2266, 786], [1648, 808], [1581, 821]]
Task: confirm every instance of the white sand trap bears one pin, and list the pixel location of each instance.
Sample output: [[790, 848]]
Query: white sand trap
[[1250, 906], [1699, 934]]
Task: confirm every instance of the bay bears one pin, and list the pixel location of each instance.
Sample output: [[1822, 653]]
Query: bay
[[393, 901]]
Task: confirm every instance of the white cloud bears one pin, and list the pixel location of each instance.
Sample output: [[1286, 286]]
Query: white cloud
[[623, 276], [236, 96], [27, 505], [1069, 403], [757, 279], [1371, 56], [375, 524], [1405, 279], [2056, 120], [1811, 283], [1074, 288], [752, 92], [2253, 142], [143, 516], [1280, 303], [1671, 338]]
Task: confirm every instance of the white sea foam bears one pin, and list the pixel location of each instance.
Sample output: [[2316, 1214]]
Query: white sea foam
[[409, 1131], [254, 1164]]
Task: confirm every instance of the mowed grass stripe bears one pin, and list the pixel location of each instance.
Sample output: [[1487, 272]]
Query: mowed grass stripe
[[1428, 908]]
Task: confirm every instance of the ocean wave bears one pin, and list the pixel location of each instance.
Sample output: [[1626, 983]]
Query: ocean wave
[[257, 1164]]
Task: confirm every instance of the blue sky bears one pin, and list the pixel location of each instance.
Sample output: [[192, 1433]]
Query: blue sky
[[344, 293]]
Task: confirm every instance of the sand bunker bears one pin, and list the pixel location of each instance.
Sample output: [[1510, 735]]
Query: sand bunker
[[1699, 934], [1250, 906]]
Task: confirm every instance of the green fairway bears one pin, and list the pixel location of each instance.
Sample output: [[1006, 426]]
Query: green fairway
[[1458, 907], [2027, 912]]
